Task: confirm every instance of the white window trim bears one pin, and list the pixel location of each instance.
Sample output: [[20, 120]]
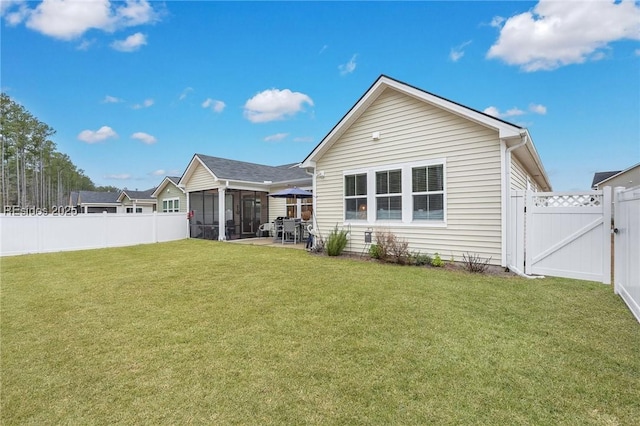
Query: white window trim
[[173, 210], [407, 195], [352, 197]]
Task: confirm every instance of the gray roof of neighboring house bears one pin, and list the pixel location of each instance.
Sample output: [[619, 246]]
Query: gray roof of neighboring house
[[139, 195], [250, 172], [600, 176], [95, 197], [174, 179]]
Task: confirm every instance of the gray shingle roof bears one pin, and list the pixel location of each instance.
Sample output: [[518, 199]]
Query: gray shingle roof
[[139, 195], [600, 176], [250, 172], [97, 197]]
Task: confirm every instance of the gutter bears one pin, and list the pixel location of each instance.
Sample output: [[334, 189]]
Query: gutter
[[507, 159]]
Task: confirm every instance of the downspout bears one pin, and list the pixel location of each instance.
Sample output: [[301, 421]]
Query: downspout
[[314, 221], [507, 174]]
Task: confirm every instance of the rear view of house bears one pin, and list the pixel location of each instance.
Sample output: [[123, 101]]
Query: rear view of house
[[433, 172]]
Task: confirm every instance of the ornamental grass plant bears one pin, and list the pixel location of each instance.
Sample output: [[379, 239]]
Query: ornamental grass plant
[[202, 332]]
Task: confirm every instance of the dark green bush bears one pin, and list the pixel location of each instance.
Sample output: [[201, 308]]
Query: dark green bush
[[336, 242], [420, 259], [375, 251]]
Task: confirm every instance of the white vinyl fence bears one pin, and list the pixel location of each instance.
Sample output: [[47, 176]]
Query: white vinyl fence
[[627, 247], [48, 233]]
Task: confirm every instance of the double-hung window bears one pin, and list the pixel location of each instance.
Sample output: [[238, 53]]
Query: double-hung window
[[171, 205], [428, 192], [389, 195], [355, 194]]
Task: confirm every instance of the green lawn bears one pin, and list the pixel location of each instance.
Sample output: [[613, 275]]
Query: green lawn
[[201, 332]]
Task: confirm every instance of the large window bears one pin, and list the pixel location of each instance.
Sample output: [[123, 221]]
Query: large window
[[403, 193], [428, 192], [171, 205], [355, 191], [389, 195]]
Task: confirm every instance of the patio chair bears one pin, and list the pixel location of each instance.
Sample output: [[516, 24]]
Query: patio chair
[[264, 230], [289, 231]]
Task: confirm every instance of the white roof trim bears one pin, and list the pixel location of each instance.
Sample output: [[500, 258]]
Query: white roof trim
[[163, 184]]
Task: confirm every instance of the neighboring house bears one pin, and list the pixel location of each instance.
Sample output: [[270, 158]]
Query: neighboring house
[[431, 171], [95, 201], [627, 178], [170, 197], [137, 201], [232, 196]]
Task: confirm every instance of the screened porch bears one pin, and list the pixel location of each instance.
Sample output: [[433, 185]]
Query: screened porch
[[237, 215]]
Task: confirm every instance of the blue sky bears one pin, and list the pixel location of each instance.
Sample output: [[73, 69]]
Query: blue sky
[[135, 88]]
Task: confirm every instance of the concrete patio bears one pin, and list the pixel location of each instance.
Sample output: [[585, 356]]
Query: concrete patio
[[268, 242]]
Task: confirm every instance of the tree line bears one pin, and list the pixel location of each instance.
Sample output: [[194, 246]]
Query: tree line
[[33, 172]]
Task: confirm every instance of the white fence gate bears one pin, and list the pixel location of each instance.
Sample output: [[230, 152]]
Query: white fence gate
[[627, 247], [562, 234]]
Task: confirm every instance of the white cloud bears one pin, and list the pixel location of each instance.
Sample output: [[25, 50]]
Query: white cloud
[[163, 172], [103, 133], [70, 19], [492, 111], [457, 52], [276, 138], [14, 11], [497, 21], [111, 100], [559, 33], [146, 104], [495, 112], [275, 104], [185, 93], [538, 109], [131, 43], [121, 176], [85, 44], [144, 138], [135, 13], [349, 67], [216, 106]]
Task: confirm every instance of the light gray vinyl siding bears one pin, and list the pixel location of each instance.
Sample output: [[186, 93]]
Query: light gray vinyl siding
[[172, 194], [412, 131], [278, 206], [519, 177], [628, 179], [200, 180]]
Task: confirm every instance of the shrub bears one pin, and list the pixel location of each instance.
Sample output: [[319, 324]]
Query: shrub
[[336, 242], [474, 263], [390, 248], [437, 261], [375, 251], [420, 259]]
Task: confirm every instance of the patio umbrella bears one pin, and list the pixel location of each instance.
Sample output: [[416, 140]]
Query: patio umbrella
[[292, 193]]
